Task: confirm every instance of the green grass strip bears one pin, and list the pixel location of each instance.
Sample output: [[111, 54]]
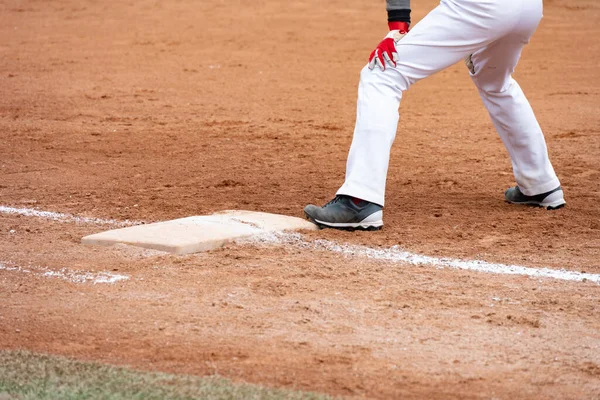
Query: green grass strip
[[25, 375]]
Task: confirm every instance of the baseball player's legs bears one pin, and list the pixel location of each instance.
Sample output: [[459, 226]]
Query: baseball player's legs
[[510, 111], [453, 30]]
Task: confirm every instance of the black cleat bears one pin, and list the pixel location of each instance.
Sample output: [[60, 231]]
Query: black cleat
[[552, 200], [346, 213]]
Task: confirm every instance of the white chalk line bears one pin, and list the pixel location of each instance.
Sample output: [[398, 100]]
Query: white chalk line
[[62, 217], [65, 274], [395, 254]]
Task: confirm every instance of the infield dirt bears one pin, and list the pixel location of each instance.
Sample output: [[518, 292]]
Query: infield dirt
[[159, 110]]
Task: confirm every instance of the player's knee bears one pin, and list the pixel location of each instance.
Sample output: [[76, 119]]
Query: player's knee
[[367, 74], [390, 78], [489, 81], [372, 77], [493, 87]]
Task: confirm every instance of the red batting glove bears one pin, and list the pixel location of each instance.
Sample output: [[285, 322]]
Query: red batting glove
[[386, 50]]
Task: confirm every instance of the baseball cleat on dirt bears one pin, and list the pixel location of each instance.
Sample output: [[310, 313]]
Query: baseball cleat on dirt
[[346, 213], [551, 200]]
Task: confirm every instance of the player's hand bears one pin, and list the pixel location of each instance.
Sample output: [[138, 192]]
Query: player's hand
[[386, 50]]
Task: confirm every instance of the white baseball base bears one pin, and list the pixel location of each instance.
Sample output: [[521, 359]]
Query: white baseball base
[[199, 233]]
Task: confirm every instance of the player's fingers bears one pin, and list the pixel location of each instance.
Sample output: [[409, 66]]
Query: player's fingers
[[389, 59], [380, 61], [372, 59]]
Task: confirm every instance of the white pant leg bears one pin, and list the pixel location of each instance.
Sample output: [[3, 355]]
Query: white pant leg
[[508, 107], [453, 30]]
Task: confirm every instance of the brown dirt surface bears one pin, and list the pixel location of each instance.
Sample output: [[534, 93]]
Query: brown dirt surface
[[156, 110]]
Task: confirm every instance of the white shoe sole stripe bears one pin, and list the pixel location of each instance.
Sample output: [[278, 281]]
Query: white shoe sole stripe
[[375, 224]]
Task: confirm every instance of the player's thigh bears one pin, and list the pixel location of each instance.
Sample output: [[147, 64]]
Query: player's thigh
[[491, 67], [453, 30]]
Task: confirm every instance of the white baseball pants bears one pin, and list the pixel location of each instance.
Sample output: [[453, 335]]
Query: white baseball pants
[[494, 32]]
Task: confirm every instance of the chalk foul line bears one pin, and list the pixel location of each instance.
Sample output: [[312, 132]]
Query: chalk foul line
[[62, 217], [395, 254], [65, 274]]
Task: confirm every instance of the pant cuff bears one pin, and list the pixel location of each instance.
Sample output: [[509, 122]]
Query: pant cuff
[[349, 189]]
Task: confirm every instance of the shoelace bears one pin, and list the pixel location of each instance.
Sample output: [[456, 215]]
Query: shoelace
[[335, 200]]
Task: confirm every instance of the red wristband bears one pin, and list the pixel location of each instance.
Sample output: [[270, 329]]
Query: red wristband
[[403, 27]]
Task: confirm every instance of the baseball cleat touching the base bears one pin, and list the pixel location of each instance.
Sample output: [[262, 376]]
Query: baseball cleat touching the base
[[346, 213], [551, 200]]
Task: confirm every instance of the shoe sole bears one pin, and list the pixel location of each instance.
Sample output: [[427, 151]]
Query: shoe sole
[[553, 201], [371, 226], [555, 206]]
